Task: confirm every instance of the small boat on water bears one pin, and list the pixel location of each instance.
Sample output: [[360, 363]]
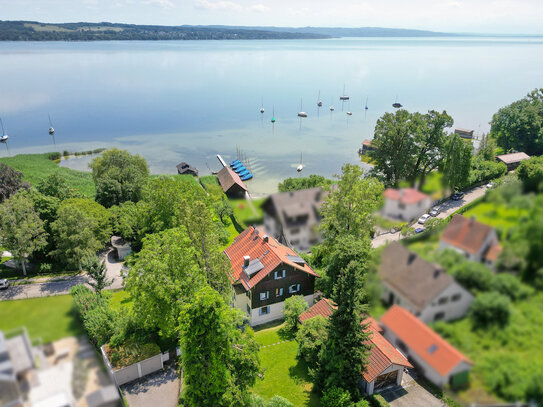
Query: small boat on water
[[240, 169], [301, 166], [235, 162], [4, 137], [344, 96], [301, 113], [51, 129], [273, 115], [238, 165], [349, 113], [396, 105], [319, 101], [366, 107], [262, 106], [244, 173], [247, 177]]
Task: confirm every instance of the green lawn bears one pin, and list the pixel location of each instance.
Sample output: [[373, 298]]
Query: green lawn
[[48, 318], [37, 166], [284, 374], [498, 216], [244, 214], [504, 359], [433, 185]]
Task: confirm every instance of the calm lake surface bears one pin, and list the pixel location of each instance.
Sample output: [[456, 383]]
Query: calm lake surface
[[190, 100]]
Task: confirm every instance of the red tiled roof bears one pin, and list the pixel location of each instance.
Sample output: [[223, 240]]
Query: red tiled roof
[[420, 339], [323, 308], [382, 353], [271, 254], [513, 157], [405, 195], [367, 143], [466, 234], [493, 252]]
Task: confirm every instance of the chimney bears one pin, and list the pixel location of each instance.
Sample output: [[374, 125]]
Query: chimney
[[266, 238], [246, 260], [436, 273]]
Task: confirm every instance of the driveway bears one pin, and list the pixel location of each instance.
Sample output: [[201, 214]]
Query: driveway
[[45, 287], [447, 208], [160, 389], [411, 394]]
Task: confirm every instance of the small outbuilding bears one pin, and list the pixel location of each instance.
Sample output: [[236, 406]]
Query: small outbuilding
[[367, 146], [121, 246], [185, 168], [432, 356], [464, 133], [512, 160], [231, 183]]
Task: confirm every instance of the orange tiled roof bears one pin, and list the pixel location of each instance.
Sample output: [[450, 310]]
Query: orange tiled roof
[[466, 234], [405, 195], [420, 339], [271, 254], [493, 252], [382, 353]]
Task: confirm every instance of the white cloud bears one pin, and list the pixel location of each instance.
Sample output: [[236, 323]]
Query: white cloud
[[222, 5], [161, 3], [260, 8]]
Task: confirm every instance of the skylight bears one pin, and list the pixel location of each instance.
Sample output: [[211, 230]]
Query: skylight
[[432, 349]]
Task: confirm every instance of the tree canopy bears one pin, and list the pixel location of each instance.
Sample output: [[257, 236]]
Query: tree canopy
[[21, 229], [519, 126], [530, 172], [294, 184], [119, 177], [220, 360], [10, 182], [457, 162]]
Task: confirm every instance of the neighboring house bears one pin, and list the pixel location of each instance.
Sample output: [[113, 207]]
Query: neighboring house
[[293, 217], [474, 240], [367, 146], [512, 160], [231, 183], [425, 289], [265, 273], [385, 363], [122, 248], [431, 355], [405, 204], [464, 133], [185, 168], [12, 366]]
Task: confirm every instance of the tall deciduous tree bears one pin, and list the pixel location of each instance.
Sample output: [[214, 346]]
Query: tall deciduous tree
[[519, 126], [348, 208], [457, 162], [74, 236], [345, 354], [100, 216], [119, 176], [429, 140], [21, 229], [55, 185], [395, 151], [10, 182], [220, 358]]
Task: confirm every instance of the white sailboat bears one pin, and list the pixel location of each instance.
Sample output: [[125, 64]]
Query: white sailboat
[[262, 106], [4, 137], [344, 96], [301, 166], [319, 101], [301, 113], [51, 129]]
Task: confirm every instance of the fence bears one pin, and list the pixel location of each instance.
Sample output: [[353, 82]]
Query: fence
[[135, 371]]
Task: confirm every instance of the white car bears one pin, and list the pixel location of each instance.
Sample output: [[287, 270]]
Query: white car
[[424, 218], [490, 185], [4, 284]]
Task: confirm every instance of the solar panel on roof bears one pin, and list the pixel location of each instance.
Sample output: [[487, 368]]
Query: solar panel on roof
[[432, 349], [295, 259], [253, 267]]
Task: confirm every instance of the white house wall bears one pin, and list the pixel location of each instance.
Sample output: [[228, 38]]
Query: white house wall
[[276, 312], [452, 309], [409, 212]]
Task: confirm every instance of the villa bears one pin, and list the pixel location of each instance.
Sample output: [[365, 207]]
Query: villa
[[405, 203]]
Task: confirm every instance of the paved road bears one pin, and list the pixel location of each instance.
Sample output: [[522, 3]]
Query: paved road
[[411, 394], [448, 207], [58, 286], [157, 389]]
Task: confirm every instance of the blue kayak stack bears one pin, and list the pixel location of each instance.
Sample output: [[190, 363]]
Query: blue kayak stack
[[238, 167]]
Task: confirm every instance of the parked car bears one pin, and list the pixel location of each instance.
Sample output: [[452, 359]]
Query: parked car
[[490, 185], [424, 218], [4, 284], [419, 230], [436, 210], [457, 196]]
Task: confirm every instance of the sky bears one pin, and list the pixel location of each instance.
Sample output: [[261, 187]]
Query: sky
[[472, 16]]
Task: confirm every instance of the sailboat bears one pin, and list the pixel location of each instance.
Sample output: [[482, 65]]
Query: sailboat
[[4, 137], [301, 166], [344, 96], [301, 113], [396, 105], [331, 108], [51, 129], [319, 101], [349, 113], [366, 106], [262, 106], [273, 115]]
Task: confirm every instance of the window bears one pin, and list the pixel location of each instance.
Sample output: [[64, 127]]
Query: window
[[443, 300], [279, 292], [264, 311], [294, 231], [401, 206], [264, 295], [294, 288], [439, 316], [280, 274], [456, 297]]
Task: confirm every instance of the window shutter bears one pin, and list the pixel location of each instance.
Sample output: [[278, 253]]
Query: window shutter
[[298, 287]]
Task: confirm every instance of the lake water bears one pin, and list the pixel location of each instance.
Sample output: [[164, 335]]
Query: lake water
[[187, 101]]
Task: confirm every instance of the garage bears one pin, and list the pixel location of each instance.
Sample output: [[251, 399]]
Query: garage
[[387, 379]]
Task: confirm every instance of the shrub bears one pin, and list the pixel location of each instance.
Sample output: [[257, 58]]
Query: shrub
[[54, 156], [376, 400], [530, 172], [336, 397], [292, 309], [46, 268], [510, 285], [490, 309], [311, 338], [362, 403], [66, 153], [278, 401], [473, 276], [98, 150]]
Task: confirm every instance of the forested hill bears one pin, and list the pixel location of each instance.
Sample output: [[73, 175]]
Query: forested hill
[[34, 31]]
